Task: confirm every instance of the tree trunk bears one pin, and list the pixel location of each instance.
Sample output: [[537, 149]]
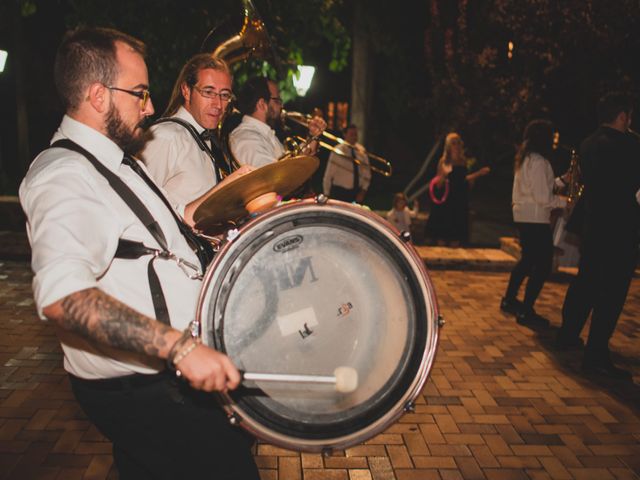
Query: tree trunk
[[24, 156], [361, 69]]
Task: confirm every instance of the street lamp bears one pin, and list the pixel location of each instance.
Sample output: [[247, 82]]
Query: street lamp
[[302, 79], [3, 59]]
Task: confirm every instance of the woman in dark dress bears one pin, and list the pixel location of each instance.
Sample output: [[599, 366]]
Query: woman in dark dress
[[448, 222]]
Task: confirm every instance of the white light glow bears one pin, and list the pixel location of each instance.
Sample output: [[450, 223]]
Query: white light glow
[[3, 59], [302, 79]]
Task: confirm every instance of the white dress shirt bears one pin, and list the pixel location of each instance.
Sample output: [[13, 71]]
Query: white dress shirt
[[533, 197], [74, 222], [176, 162], [255, 143], [339, 170]]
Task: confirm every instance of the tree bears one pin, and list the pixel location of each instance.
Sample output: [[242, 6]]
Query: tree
[[564, 56]]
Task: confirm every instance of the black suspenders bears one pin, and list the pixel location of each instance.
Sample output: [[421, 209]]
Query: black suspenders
[[128, 249], [223, 162]]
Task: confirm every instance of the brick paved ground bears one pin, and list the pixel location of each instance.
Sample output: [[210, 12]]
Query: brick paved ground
[[500, 403]]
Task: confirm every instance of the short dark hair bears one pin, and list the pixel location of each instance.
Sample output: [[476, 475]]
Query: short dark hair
[[85, 56], [349, 127], [189, 76], [537, 138], [253, 90], [612, 104]]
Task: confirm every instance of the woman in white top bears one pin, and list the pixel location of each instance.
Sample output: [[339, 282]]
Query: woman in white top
[[400, 215], [533, 199]]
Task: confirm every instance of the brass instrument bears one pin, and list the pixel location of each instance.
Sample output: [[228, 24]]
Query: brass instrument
[[251, 41], [385, 169], [574, 186]]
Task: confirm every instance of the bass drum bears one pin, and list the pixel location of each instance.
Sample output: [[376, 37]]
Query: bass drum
[[304, 289]]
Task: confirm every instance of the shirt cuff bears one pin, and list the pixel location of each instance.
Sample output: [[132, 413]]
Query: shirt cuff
[[58, 281]]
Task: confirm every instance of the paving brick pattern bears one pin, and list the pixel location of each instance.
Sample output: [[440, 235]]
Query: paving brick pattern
[[500, 402]]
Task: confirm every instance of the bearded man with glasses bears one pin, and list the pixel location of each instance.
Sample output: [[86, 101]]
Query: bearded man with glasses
[[254, 141], [183, 153], [119, 313]]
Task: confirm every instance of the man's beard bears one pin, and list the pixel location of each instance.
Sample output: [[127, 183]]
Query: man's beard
[[273, 120], [125, 138]]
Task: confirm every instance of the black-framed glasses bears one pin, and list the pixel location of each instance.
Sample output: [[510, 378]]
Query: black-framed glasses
[[224, 96], [143, 95], [278, 100]]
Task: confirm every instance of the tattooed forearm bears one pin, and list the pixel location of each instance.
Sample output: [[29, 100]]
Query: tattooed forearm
[[100, 317]]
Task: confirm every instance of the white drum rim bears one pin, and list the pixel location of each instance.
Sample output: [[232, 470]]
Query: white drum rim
[[406, 401]]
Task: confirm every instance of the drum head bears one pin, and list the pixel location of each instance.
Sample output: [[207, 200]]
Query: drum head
[[309, 288]]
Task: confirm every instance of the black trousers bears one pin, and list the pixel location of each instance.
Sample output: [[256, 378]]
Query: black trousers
[[600, 289], [162, 429], [535, 262], [344, 194]]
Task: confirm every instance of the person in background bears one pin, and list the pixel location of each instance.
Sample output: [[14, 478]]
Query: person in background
[[183, 155], [533, 198], [400, 215], [610, 167], [254, 141], [448, 222], [348, 174]]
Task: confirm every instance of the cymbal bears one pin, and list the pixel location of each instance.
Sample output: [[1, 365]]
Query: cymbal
[[229, 201]]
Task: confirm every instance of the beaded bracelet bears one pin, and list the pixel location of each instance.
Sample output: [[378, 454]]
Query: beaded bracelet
[[186, 335], [186, 351]]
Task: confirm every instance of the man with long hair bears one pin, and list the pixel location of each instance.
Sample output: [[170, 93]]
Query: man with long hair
[[532, 202], [183, 154]]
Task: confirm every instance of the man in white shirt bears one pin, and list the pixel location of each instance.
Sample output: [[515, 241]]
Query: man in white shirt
[[254, 141], [348, 174], [186, 166], [102, 303]]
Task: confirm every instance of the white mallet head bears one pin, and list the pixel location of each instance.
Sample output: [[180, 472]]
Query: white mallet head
[[346, 379]]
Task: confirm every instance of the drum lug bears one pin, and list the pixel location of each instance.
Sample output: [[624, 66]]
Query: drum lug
[[234, 419], [321, 199], [405, 237], [409, 407], [232, 234], [441, 321]]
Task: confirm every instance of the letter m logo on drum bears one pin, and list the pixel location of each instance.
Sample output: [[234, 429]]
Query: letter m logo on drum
[[292, 274]]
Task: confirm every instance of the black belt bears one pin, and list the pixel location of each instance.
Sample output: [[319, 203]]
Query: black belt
[[127, 382]]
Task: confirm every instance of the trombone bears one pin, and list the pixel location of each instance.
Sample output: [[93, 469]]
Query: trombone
[[385, 169]]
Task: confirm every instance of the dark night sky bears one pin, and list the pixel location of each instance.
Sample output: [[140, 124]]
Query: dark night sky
[[406, 143]]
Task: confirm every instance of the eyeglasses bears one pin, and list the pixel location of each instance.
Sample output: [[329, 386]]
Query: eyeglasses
[[143, 95], [224, 96], [278, 100]]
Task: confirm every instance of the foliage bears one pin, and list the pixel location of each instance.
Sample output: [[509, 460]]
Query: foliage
[[174, 31], [565, 55]]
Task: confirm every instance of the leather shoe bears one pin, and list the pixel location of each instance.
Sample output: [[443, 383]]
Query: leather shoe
[[531, 319], [605, 368], [508, 305], [568, 343]]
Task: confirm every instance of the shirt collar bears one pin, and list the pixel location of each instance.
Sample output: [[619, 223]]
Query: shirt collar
[[91, 140], [183, 114], [259, 125]]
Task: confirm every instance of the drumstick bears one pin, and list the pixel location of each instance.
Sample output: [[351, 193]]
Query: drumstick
[[344, 378]]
